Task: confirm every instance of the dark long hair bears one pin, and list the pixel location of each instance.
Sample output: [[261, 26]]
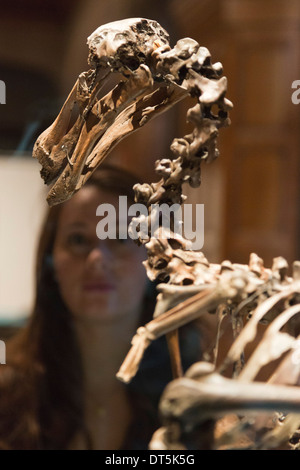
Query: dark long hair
[[41, 387]]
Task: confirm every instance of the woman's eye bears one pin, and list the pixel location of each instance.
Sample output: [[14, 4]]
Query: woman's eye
[[78, 242]]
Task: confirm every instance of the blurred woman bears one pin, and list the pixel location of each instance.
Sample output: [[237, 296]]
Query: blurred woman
[[58, 389]]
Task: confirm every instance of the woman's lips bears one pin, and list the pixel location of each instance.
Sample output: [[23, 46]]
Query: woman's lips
[[98, 286]]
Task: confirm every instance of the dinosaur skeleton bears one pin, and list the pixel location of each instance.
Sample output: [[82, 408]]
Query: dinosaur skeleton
[[152, 77]]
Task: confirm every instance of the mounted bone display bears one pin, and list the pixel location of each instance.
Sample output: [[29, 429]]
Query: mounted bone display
[[154, 77]]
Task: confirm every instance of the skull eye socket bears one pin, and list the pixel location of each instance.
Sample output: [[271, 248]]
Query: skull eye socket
[[120, 37]]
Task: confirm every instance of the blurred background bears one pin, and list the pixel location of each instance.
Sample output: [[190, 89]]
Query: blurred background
[[251, 193]]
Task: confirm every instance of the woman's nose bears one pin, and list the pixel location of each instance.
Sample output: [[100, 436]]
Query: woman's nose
[[100, 256]]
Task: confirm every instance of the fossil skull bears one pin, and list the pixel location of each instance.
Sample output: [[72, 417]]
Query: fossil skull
[[120, 45], [154, 78]]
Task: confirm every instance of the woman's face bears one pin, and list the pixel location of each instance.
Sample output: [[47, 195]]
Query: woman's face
[[98, 279]]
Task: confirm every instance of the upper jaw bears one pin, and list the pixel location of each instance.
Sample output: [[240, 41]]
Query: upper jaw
[[90, 125]]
